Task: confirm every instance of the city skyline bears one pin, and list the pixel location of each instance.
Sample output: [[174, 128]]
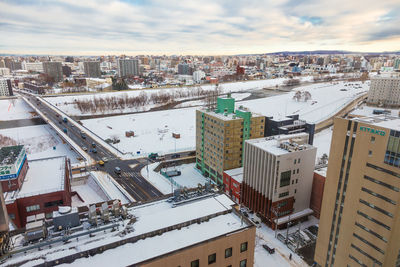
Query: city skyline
[[210, 28]]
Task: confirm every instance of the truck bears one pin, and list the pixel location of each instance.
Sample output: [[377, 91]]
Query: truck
[[65, 120], [153, 155]]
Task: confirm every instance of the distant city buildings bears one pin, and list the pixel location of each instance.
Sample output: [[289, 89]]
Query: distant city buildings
[[33, 66], [5, 87], [220, 136], [4, 71], [128, 67], [92, 69], [384, 91], [278, 176], [54, 70], [360, 210]]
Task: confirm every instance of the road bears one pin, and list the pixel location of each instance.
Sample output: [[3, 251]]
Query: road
[[130, 178]]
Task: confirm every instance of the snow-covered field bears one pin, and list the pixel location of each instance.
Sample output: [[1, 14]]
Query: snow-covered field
[[153, 130], [39, 141], [326, 100], [67, 103], [189, 177], [15, 109]]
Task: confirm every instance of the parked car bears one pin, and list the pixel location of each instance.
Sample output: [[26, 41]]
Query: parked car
[[117, 170], [84, 148], [267, 248]]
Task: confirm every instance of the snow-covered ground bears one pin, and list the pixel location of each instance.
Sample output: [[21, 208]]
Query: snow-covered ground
[[40, 141], [265, 235], [189, 177], [196, 103], [326, 100], [110, 187], [153, 130], [322, 141], [15, 109], [67, 103]]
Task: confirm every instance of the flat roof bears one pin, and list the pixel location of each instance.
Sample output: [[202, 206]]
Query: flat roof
[[229, 116], [272, 144], [236, 174], [9, 154], [218, 218], [43, 176], [385, 121]]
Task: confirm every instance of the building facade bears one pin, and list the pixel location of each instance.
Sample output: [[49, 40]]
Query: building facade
[[220, 136], [54, 70], [13, 167], [92, 69], [128, 67], [360, 214], [233, 183], [384, 91], [317, 191], [5, 87], [278, 176]]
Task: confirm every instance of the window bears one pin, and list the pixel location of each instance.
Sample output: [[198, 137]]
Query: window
[[32, 208], [298, 161], [369, 153], [53, 203], [372, 139], [195, 263], [285, 178], [243, 247], [212, 258], [12, 216], [243, 263], [228, 252], [284, 194], [294, 161], [294, 171]]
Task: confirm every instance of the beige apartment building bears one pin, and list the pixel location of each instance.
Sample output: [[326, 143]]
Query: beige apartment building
[[384, 91], [360, 214], [220, 136]]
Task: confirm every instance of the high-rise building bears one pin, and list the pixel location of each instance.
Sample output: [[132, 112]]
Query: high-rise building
[[360, 213], [12, 65], [184, 69], [54, 70], [220, 136], [5, 87], [92, 69], [278, 176], [128, 67], [66, 71], [384, 91]]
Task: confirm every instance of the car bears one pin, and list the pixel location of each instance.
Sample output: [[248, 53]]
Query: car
[[93, 150], [101, 163], [117, 170], [93, 144], [84, 148], [267, 248], [60, 122], [105, 159]]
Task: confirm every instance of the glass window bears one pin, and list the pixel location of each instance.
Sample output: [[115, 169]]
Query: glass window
[[243, 247], [285, 178], [212, 258], [195, 263], [243, 263]]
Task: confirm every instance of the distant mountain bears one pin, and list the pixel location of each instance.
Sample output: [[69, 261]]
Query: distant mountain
[[331, 52]]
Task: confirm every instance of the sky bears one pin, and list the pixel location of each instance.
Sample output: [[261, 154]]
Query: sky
[[203, 27]]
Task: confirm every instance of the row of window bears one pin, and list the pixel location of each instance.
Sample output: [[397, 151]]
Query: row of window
[[378, 195], [366, 255], [376, 208], [368, 243], [396, 189], [228, 253], [371, 232]]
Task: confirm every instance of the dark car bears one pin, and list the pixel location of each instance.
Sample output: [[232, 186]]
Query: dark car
[[270, 250]]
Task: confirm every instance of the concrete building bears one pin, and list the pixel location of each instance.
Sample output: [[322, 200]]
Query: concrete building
[[278, 177], [6, 88], [198, 76], [33, 66], [220, 136], [289, 125], [92, 69], [207, 231], [384, 91], [54, 70], [13, 167], [317, 191], [4, 71], [128, 67], [360, 214], [184, 69], [233, 183]]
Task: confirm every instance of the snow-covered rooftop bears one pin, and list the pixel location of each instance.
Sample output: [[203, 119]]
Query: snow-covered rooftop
[[43, 176], [280, 145], [236, 174], [385, 121], [213, 216]]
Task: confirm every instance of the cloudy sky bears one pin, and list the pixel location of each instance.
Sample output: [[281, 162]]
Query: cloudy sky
[[97, 27]]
